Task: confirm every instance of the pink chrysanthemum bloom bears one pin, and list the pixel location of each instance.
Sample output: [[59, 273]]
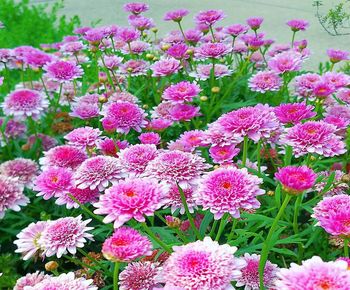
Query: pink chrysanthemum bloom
[[177, 166], [204, 71], [298, 24], [212, 50], [322, 89], [72, 47], [111, 62], [47, 142], [209, 17], [11, 195], [22, 169], [14, 129], [255, 122], [227, 190], [235, 29], [305, 83], [25, 103], [314, 137], [176, 15], [130, 198], [135, 47], [339, 187], [337, 79], [337, 55], [128, 34], [141, 23], [31, 279], [179, 145], [150, 138], [296, 179], [201, 265], [83, 137], [139, 276], [250, 273], [123, 96], [37, 59], [332, 214], [125, 245], [193, 36], [125, 116], [65, 281], [294, 113], [159, 124], [65, 235], [223, 154], [111, 147], [285, 62], [134, 67], [85, 195], [63, 71], [264, 81], [183, 112], [136, 7], [337, 121], [255, 22], [165, 67], [181, 92], [28, 240], [66, 156], [193, 138], [135, 158], [347, 260], [98, 172], [53, 181], [84, 111], [173, 198], [314, 274]]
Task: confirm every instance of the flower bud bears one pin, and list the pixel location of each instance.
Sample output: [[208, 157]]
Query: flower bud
[[172, 222], [51, 266], [215, 90], [203, 98]]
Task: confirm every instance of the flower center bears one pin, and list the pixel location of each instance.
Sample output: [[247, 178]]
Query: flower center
[[130, 193], [226, 185]]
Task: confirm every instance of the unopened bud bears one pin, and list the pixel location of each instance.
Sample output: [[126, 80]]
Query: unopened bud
[[189, 51], [51, 266], [203, 98], [165, 46], [270, 193], [145, 106], [215, 90], [149, 56], [172, 222], [216, 166], [345, 178], [26, 147], [154, 29], [102, 99]]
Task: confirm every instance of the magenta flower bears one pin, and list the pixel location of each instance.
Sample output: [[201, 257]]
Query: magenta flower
[[135, 47], [223, 154], [337, 55], [213, 50], [140, 22], [165, 67], [63, 71], [150, 138], [296, 179], [338, 80], [204, 71], [178, 51], [134, 67], [128, 34], [193, 138], [314, 137], [111, 62], [193, 35], [72, 47], [64, 235], [31, 279], [98, 172], [83, 137], [323, 89], [126, 245], [136, 7], [298, 24], [332, 214], [294, 113], [130, 198], [176, 15], [264, 81], [209, 17], [37, 59], [181, 92], [315, 274], [305, 83], [183, 112], [235, 29], [201, 265], [228, 190], [255, 22], [250, 273], [285, 62], [159, 124], [25, 103], [85, 195]]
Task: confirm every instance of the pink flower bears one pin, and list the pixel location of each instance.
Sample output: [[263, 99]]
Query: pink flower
[[209, 17], [53, 181], [111, 62], [338, 187], [193, 138], [110, 147], [323, 89], [228, 190], [165, 67], [72, 47], [150, 138], [128, 34], [235, 29], [139, 275], [83, 137], [181, 92], [126, 245], [134, 67], [298, 24], [314, 274], [296, 179], [204, 71], [66, 156], [223, 154], [193, 35], [31, 279], [178, 51], [98, 172], [85, 111], [337, 55], [314, 137], [47, 142], [176, 166], [294, 113], [176, 15], [63, 71], [135, 158], [338, 80], [136, 7], [285, 62], [213, 50], [159, 124], [11, 195], [21, 169], [183, 112], [135, 47], [64, 235], [37, 59], [25, 103], [255, 22], [130, 198], [332, 214], [85, 195], [250, 273], [125, 116], [140, 22], [94, 35], [305, 83], [264, 81], [28, 240], [201, 265]]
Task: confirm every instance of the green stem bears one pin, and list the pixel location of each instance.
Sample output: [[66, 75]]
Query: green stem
[[258, 156], [213, 227], [232, 232], [346, 247], [221, 226], [116, 276], [189, 216], [155, 238], [245, 150], [182, 31], [212, 33], [267, 244], [293, 37], [295, 223]]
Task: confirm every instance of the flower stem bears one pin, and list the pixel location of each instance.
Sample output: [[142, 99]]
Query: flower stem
[[212, 33], [189, 216], [155, 238], [346, 247], [245, 151], [258, 156], [221, 227], [293, 37], [232, 232], [116, 276], [266, 246]]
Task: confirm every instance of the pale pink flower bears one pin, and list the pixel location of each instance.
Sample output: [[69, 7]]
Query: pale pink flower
[[176, 15], [204, 71], [223, 154], [149, 138], [264, 81], [63, 71], [285, 62], [209, 17], [85, 195], [140, 22], [305, 83], [255, 22], [173, 198], [298, 24], [134, 67], [212, 50], [83, 137], [165, 67], [337, 55], [136, 7], [31, 279], [235, 29], [135, 47]]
